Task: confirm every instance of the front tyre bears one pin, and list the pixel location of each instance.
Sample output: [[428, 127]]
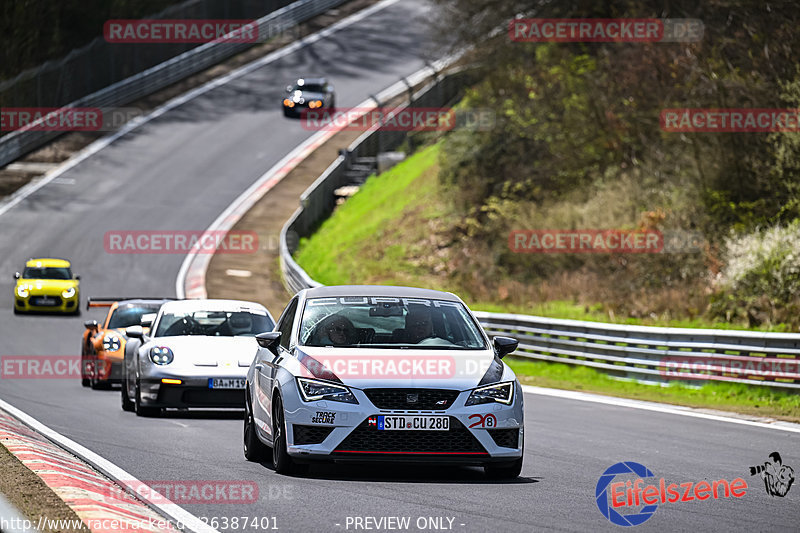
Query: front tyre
[[254, 450], [281, 460], [510, 470], [127, 404], [140, 409]]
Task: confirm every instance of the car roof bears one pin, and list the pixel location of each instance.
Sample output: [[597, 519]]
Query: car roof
[[47, 262], [210, 304], [311, 81], [378, 291]]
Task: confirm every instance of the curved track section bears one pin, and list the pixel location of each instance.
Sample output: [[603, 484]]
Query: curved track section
[[180, 171]]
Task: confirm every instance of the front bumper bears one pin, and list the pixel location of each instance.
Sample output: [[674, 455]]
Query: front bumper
[[192, 392], [352, 438], [109, 369], [31, 303]]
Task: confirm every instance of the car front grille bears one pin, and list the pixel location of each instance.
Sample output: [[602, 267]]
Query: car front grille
[[52, 301], [505, 438], [368, 438], [412, 399], [210, 397], [310, 434]]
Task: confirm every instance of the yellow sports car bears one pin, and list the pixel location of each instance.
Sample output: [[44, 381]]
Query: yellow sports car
[[47, 285]]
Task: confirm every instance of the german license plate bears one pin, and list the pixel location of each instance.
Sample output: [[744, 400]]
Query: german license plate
[[226, 383], [44, 300], [413, 423]]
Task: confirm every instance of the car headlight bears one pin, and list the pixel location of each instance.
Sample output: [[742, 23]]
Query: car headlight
[[499, 392], [111, 342], [22, 291], [312, 390], [161, 355], [68, 293], [288, 103]]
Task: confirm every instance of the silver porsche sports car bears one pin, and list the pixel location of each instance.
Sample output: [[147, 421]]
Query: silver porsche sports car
[[366, 373], [197, 355]]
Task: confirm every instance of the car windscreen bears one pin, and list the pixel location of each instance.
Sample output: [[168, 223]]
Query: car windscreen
[[310, 88], [47, 273], [214, 323], [383, 322], [130, 315]]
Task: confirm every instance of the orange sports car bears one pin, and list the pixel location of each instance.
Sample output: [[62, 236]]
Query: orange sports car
[[103, 344]]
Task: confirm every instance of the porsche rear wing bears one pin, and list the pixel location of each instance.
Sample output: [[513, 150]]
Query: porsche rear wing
[[108, 302]]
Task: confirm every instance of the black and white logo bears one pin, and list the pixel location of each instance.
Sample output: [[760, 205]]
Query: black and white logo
[[778, 477]]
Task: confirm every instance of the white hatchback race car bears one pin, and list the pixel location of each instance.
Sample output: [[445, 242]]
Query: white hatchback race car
[[197, 355], [366, 373]]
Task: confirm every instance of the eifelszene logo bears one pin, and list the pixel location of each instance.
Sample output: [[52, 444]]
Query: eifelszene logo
[[641, 501]]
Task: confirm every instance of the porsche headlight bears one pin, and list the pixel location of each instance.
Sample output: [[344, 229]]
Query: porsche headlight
[[22, 291], [312, 390], [68, 293], [111, 342], [161, 355], [499, 392]]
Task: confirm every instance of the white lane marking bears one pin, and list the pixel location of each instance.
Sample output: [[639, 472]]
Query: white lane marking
[[120, 476], [100, 144], [657, 407]]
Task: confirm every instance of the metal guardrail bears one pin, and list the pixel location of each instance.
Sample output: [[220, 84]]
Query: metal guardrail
[[18, 143], [652, 354], [640, 353]]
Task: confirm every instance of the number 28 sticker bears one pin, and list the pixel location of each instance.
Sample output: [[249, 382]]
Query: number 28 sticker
[[483, 421]]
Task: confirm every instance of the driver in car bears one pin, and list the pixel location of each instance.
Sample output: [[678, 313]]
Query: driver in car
[[240, 324], [419, 325], [338, 331]]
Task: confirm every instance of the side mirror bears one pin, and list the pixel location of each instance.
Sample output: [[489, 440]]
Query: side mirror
[[17, 275], [147, 319], [504, 345], [90, 324], [134, 332], [78, 278], [269, 340]]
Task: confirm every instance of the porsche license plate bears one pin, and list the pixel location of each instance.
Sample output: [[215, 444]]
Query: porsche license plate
[[413, 423], [226, 383]]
